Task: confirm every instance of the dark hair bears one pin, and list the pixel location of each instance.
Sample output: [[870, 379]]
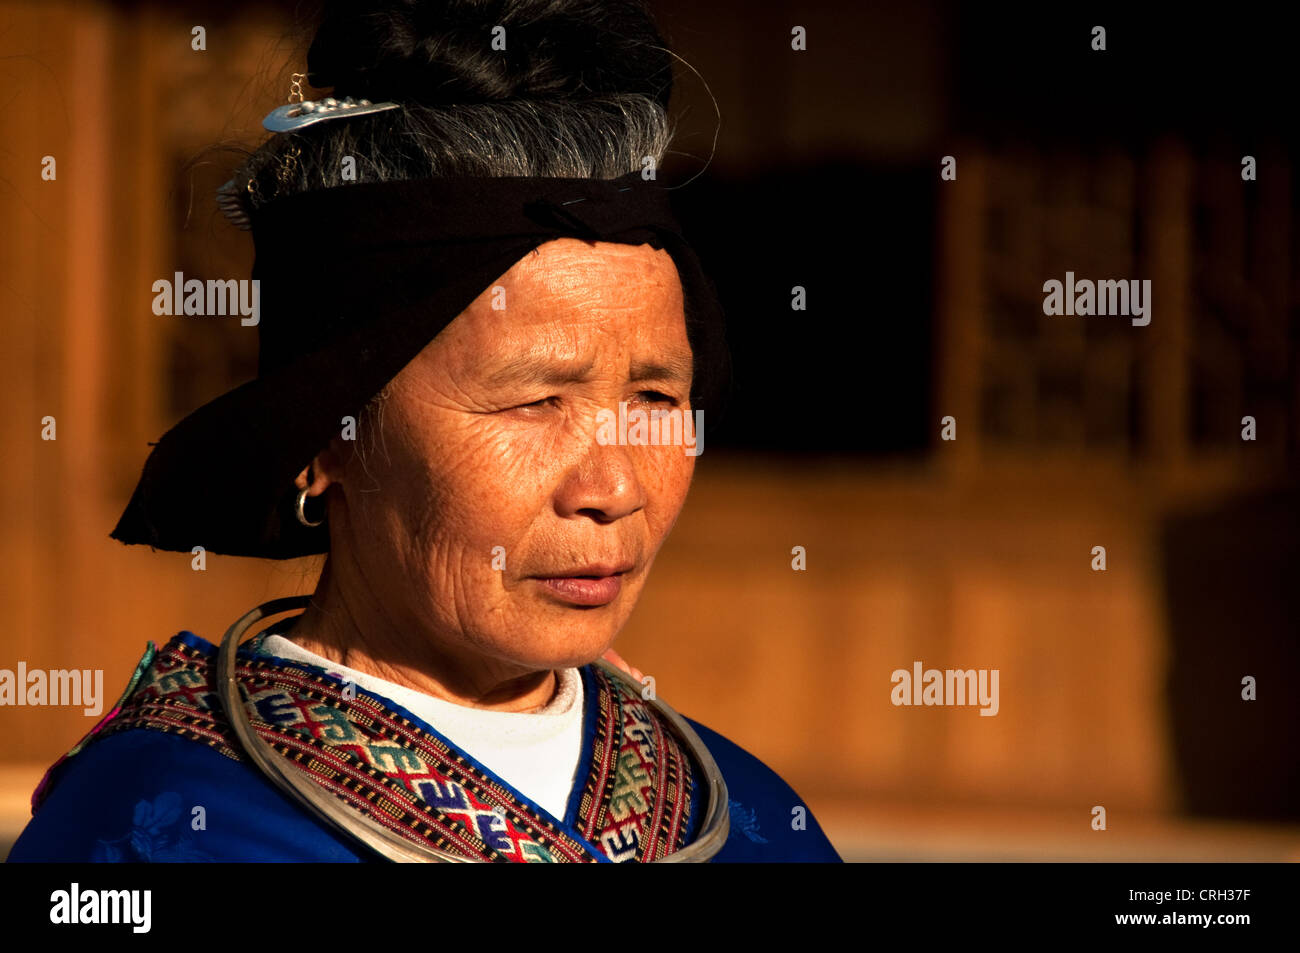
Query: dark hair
[[580, 90], [441, 54]]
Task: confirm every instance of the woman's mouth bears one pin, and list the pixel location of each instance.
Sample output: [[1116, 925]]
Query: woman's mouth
[[584, 590]]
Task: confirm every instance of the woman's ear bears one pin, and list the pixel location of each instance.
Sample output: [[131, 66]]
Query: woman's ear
[[319, 474]]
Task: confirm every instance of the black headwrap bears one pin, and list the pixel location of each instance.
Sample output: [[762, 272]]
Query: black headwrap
[[355, 281]]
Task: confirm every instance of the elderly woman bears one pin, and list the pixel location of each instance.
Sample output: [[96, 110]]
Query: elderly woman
[[466, 270]]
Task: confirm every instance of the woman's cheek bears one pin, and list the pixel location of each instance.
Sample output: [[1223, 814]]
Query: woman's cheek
[[671, 495], [504, 469], [538, 452], [669, 473]]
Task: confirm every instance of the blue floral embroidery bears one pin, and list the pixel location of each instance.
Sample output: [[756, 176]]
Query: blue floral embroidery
[[745, 820], [148, 839]]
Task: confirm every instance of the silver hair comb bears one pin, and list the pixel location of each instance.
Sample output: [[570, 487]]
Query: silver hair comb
[[294, 116]]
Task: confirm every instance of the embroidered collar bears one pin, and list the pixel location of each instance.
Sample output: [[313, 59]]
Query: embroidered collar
[[636, 799]]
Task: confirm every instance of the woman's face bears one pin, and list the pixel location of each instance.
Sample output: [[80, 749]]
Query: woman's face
[[486, 478]]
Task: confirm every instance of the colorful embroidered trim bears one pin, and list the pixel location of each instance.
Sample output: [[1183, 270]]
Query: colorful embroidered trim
[[637, 798], [636, 802]]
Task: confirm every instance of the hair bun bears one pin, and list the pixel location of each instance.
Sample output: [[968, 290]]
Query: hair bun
[[440, 53]]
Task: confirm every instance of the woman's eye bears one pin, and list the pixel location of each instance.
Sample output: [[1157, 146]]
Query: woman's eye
[[545, 401], [656, 397], [645, 396]]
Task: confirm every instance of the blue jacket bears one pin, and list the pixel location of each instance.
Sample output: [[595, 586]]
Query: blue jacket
[[151, 795]]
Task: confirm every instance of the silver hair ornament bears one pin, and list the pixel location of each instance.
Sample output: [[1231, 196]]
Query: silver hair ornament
[[294, 116], [288, 118]]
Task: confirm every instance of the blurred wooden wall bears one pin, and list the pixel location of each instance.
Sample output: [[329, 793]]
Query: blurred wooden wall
[[120, 101], [908, 566]]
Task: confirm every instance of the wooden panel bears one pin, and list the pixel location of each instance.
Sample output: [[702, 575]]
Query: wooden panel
[[796, 665]]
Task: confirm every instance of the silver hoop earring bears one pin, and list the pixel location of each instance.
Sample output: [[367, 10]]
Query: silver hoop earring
[[302, 515]]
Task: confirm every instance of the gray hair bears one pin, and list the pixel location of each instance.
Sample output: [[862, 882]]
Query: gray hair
[[601, 138]]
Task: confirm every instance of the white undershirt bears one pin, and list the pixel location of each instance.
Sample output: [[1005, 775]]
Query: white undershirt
[[535, 752]]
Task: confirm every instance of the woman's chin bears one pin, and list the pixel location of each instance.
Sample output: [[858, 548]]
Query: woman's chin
[[551, 650]]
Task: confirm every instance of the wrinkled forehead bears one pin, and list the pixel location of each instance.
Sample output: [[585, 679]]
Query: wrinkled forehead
[[573, 303], [591, 278]]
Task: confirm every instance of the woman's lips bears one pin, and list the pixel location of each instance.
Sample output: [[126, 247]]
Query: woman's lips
[[584, 590]]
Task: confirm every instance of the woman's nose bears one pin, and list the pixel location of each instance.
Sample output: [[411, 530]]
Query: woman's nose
[[605, 485]]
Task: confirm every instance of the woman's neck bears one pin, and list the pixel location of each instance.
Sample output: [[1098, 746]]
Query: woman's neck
[[351, 633]]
